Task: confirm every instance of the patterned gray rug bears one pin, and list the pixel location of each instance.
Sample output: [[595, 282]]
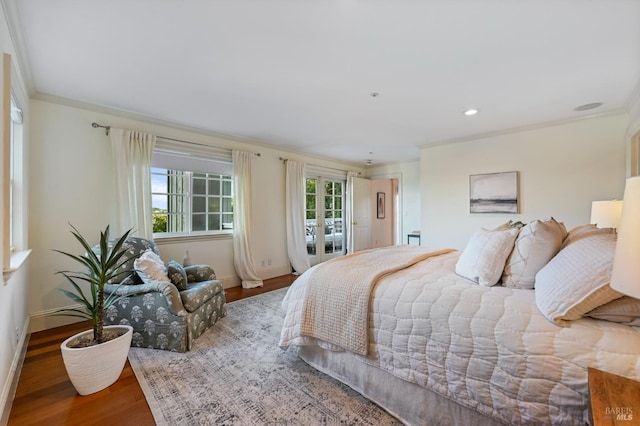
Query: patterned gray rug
[[237, 375]]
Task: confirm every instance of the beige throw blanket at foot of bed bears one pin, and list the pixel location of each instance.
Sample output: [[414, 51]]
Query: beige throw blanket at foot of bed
[[336, 301]]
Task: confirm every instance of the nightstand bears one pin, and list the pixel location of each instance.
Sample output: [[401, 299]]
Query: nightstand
[[614, 400]]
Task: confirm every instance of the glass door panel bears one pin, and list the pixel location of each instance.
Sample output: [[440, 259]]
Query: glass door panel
[[324, 215]]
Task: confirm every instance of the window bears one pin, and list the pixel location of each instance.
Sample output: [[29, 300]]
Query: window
[[14, 240], [186, 202], [16, 149], [192, 189]]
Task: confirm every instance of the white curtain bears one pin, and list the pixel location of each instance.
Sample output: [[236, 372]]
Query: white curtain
[[349, 212], [242, 254], [132, 166], [295, 212]]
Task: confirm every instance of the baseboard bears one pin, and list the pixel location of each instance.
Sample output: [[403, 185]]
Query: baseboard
[[9, 388], [44, 320], [264, 273], [274, 271], [228, 282]]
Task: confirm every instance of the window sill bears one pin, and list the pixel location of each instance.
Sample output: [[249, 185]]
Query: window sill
[[187, 238], [18, 259]]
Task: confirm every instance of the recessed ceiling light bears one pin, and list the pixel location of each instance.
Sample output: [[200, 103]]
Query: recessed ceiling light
[[587, 107], [471, 111]]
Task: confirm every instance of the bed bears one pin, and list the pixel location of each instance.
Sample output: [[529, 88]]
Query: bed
[[501, 332]]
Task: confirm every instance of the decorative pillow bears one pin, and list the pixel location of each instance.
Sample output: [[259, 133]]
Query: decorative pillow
[[199, 273], [583, 231], [177, 275], [576, 280], [150, 267], [536, 244], [625, 310], [484, 256]]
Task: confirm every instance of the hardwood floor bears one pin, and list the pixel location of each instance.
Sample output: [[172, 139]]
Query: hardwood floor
[[45, 396]]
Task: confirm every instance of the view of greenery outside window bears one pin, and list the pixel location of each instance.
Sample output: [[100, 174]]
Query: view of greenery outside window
[[186, 202]]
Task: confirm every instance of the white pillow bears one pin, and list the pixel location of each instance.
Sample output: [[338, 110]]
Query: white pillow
[[536, 244], [150, 267], [484, 256], [576, 280]]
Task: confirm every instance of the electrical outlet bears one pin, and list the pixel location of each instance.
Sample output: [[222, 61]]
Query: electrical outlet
[[263, 263], [269, 262]]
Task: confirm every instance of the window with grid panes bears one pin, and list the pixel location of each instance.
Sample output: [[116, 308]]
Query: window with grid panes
[[188, 202]]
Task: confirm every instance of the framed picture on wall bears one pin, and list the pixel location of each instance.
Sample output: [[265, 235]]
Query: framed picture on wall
[[494, 193], [380, 209]]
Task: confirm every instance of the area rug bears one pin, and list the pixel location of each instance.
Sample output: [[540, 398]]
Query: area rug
[[236, 374]]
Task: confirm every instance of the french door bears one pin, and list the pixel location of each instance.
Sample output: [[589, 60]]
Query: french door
[[325, 231]]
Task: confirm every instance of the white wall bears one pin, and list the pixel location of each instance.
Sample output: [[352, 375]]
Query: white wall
[[633, 133], [563, 168], [71, 179]]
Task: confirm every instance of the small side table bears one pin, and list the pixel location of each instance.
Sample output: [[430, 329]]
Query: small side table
[[614, 400], [414, 234]]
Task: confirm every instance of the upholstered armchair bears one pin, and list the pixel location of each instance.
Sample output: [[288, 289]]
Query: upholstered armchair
[[168, 310]]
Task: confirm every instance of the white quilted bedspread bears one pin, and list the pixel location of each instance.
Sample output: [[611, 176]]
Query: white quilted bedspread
[[487, 348]]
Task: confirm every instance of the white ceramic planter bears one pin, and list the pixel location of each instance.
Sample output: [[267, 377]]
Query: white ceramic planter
[[94, 368]]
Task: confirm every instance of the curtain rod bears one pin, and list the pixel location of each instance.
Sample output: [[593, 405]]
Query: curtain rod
[[96, 125], [317, 165], [108, 128]]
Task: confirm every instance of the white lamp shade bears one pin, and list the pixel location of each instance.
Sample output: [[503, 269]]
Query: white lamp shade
[[625, 276], [606, 214]]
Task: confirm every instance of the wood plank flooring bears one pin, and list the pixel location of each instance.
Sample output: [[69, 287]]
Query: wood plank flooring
[[45, 396]]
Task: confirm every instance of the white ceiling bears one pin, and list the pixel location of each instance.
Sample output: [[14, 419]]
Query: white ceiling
[[299, 73]]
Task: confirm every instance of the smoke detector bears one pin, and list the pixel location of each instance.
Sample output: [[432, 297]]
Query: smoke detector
[[369, 161]]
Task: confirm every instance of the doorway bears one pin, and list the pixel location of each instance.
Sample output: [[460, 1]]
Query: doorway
[[325, 201], [384, 229]]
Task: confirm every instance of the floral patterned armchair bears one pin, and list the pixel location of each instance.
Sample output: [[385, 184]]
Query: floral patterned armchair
[[166, 314]]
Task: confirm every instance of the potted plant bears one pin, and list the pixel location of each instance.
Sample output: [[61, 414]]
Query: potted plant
[[94, 359]]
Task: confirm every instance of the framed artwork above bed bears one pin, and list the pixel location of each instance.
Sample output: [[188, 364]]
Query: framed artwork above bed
[[494, 193]]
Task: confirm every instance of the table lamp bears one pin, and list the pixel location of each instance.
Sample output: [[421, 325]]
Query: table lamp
[[625, 276], [606, 214]]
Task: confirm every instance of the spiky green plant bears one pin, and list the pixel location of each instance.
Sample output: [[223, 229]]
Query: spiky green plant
[[100, 268]]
